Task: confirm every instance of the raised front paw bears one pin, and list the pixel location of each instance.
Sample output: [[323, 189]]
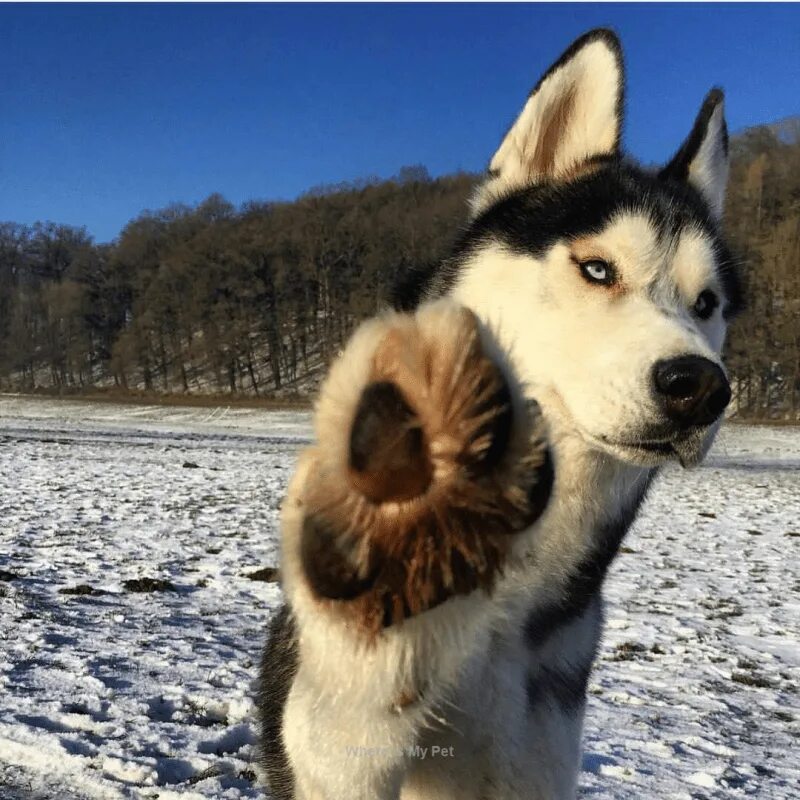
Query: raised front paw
[[428, 462]]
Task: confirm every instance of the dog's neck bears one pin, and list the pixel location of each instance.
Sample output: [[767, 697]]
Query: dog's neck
[[595, 498], [593, 493]]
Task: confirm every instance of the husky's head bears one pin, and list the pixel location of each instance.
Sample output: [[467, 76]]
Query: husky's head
[[609, 283]]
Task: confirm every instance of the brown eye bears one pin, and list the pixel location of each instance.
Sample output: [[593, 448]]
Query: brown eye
[[598, 271], [705, 304]]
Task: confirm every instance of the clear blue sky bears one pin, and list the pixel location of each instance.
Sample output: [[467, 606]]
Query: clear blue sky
[[109, 109]]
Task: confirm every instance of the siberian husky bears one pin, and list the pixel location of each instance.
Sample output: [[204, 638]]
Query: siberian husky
[[445, 541]]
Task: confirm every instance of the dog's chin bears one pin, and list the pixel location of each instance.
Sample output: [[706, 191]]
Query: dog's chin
[[653, 448], [645, 454], [688, 449]]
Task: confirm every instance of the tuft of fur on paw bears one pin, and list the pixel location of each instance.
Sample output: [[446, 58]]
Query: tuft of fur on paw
[[427, 462]]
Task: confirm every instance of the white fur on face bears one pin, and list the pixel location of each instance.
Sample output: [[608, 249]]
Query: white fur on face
[[585, 351]]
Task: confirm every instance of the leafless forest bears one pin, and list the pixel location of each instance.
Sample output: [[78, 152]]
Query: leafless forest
[[214, 299]]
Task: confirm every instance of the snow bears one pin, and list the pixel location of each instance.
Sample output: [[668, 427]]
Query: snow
[[115, 693]]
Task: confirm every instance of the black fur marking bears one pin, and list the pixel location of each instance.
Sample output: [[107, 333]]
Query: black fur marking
[[278, 669], [587, 578], [729, 271], [566, 686], [411, 287], [540, 492], [533, 219]]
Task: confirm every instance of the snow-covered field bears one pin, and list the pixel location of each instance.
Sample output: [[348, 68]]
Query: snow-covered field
[[108, 692]]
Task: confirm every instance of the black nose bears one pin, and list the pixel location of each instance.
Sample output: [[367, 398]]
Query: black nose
[[692, 390]]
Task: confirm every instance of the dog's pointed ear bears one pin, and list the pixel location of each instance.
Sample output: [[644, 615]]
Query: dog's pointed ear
[[572, 116], [702, 160]]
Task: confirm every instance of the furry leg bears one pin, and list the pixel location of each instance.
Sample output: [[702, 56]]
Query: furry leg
[[428, 468]]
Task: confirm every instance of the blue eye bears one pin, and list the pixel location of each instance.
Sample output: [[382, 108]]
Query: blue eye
[[597, 271], [705, 304]]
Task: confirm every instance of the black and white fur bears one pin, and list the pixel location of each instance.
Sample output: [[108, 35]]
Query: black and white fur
[[502, 675]]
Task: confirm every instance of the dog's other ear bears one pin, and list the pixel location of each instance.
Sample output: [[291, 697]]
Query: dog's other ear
[[572, 116], [702, 159]]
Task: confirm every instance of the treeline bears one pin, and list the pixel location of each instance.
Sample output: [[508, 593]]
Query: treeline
[[255, 300], [211, 298], [763, 222]]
